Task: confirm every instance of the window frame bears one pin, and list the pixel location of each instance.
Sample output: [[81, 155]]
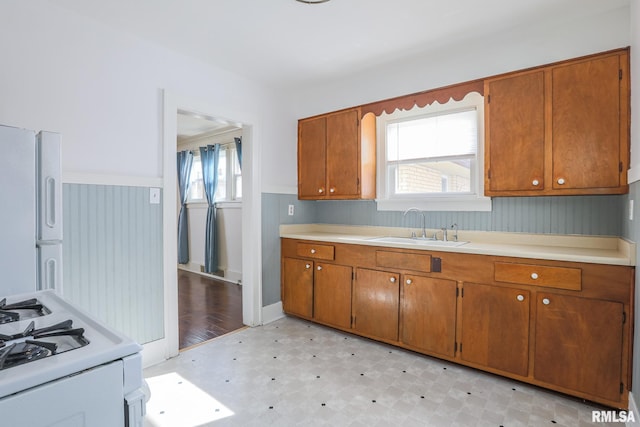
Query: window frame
[[474, 201]]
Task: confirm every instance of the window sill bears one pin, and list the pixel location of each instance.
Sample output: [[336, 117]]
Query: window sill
[[464, 204]]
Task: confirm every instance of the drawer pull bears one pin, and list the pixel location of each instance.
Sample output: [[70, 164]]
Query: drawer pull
[[535, 182], [307, 266], [392, 280], [332, 190], [561, 181], [546, 301], [534, 276], [409, 281], [320, 190], [520, 297], [319, 267], [313, 251]]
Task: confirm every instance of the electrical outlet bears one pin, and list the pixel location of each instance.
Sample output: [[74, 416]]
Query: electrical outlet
[[630, 210], [154, 196], [291, 208]]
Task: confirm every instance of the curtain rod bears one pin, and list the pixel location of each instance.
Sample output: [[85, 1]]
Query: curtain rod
[[226, 144]]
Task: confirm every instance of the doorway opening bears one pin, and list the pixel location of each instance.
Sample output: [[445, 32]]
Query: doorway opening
[[210, 303], [167, 347]]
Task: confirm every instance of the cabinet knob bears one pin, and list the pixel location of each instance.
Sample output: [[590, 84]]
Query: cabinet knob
[[561, 181], [409, 281], [332, 190], [534, 276], [535, 182], [319, 267], [546, 301], [320, 190], [520, 297], [313, 251], [307, 266], [392, 280]]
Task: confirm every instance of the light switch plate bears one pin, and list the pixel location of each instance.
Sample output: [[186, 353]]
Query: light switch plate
[[154, 196]]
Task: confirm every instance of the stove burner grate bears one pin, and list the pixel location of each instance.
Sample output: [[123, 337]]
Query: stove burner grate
[[18, 310], [60, 337]]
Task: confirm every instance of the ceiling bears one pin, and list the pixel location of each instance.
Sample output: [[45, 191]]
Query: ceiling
[[288, 44], [191, 125]]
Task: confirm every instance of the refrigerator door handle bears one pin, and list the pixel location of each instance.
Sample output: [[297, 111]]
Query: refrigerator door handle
[[49, 184], [50, 265], [50, 201], [50, 274]]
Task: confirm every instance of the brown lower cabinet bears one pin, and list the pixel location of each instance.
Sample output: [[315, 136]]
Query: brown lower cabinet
[[566, 326], [376, 297], [582, 332], [332, 294], [428, 309], [297, 287], [495, 327]]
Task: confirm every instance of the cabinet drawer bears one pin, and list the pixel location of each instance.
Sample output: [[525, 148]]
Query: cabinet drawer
[[540, 275], [404, 261], [313, 250]]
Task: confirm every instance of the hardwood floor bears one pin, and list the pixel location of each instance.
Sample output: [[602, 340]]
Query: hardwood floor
[[207, 308]]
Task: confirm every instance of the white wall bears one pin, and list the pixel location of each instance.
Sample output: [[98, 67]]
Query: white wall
[[102, 90], [230, 238], [229, 221]]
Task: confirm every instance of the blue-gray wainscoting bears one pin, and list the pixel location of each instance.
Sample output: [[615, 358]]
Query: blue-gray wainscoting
[[591, 215], [112, 257]]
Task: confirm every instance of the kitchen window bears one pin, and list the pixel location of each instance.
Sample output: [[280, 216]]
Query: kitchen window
[[432, 157], [229, 177]]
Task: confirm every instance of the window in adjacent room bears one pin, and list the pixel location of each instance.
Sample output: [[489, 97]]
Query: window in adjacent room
[[432, 157], [229, 177]]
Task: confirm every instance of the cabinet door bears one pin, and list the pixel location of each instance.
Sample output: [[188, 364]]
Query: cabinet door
[[429, 314], [297, 287], [586, 124], [495, 327], [343, 154], [515, 134], [312, 157], [579, 344], [332, 294], [376, 296]]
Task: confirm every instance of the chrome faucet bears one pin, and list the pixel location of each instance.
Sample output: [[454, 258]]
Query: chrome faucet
[[424, 230], [454, 227], [444, 234]]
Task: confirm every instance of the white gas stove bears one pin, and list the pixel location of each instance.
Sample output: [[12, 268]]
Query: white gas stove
[[73, 369]]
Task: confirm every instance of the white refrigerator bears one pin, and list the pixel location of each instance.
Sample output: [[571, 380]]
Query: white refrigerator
[[31, 215]]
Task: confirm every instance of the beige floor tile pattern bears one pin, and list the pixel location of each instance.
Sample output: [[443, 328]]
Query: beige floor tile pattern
[[295, 373]]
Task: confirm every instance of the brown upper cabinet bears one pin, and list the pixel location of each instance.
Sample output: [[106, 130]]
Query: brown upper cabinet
[[561, 129], [337, 156]]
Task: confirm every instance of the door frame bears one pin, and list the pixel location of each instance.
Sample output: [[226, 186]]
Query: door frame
[[167, 347]]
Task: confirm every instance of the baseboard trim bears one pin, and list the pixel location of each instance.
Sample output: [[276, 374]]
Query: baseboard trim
[[235, 279], [272, 312]]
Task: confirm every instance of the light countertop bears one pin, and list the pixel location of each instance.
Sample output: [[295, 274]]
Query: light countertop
[[575, 248]]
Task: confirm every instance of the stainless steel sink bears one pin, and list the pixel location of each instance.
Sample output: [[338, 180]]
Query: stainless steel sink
[[416, 241]]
